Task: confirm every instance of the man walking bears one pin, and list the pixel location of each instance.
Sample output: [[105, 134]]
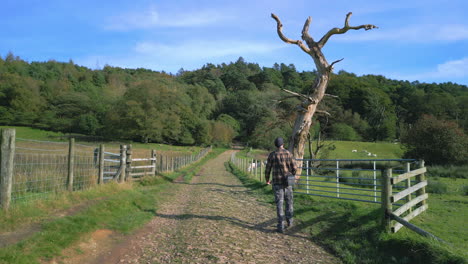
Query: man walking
[[282, 163]]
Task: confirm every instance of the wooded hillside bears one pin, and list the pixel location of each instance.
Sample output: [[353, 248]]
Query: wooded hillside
[[214, 104]]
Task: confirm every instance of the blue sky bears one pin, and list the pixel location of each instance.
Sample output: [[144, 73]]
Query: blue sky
[[423, 40]]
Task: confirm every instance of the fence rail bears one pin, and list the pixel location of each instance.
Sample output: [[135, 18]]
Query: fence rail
[[33, 169]]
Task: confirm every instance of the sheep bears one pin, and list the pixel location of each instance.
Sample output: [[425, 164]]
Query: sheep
[[252, 166], [354, 150]]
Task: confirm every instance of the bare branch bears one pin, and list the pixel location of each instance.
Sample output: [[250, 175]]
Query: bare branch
[[330, 68], [335, 31], [333, 63], [331, 95], [279, 29], [323, 112], [297, 94], [305, 33], [286, 98]]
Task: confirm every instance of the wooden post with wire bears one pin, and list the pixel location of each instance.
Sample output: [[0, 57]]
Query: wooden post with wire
[[153, 162], [71, 164], [123, 163], [386, 202], [101, 164], [7, 154], [128, 174]]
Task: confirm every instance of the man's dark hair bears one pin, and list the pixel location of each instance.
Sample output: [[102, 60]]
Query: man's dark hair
[[278, 142]]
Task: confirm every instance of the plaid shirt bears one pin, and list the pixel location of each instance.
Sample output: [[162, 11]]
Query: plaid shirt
[[282, 162]]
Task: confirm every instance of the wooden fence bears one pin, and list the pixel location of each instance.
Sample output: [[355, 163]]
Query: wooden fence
[[414, 194], [33, 170]]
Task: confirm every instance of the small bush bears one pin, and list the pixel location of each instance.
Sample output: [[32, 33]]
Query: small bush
[[460, 172], [465, 190], [344, 132], [438, 142], [438, 187]]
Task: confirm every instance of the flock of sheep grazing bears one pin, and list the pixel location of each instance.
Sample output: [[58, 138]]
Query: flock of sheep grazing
[[365, 151]]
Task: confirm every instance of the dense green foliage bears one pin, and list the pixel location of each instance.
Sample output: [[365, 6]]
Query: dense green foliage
[[436, 141], [214, 104]]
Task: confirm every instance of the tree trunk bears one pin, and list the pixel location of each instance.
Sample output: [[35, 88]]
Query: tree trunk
[[308, 107]]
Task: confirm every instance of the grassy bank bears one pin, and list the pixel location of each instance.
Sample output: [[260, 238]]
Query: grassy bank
[[351, 230], [60, 223]]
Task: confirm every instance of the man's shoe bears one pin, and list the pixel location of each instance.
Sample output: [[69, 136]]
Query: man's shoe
[[290, 223]]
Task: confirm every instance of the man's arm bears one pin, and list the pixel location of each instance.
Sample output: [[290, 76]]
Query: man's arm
[[293, 166], [268, 169]]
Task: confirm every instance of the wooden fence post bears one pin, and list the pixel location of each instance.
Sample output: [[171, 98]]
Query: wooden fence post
[[71, 163], [420, 178], [161, 168], [408, 184], [166, 164], [261, 164], [386, 203], [123, 163], [153, 162], [7, 154], [128, 175], [101, 164]]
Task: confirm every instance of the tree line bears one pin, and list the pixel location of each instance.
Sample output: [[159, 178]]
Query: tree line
[[217, 103]]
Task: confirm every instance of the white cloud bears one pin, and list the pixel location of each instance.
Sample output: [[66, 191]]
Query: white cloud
[[414, 33], [450, 71], [454, 68], [150, 18], [193, 50], [189, 55]]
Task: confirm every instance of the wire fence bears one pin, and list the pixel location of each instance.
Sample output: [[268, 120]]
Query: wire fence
[[42, 168], [346, 179]]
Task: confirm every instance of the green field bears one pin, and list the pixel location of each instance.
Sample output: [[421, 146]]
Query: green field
[[343, 150], [43, 135]]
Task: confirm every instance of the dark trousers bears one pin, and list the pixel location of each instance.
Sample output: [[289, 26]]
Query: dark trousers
[[283, 194]]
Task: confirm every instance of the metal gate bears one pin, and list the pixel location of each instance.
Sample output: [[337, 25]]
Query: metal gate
[[349, 179], [112, 166]]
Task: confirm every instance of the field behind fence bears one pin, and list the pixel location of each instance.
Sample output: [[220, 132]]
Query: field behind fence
[[32, 169]]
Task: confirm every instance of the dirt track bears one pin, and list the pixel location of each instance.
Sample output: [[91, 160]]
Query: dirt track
[[214, 219]]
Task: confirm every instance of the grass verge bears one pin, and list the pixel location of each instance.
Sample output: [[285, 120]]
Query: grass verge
[[351, 230], [118, 207]]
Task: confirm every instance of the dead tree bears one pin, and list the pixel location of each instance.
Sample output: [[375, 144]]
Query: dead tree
[[308, 106]]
